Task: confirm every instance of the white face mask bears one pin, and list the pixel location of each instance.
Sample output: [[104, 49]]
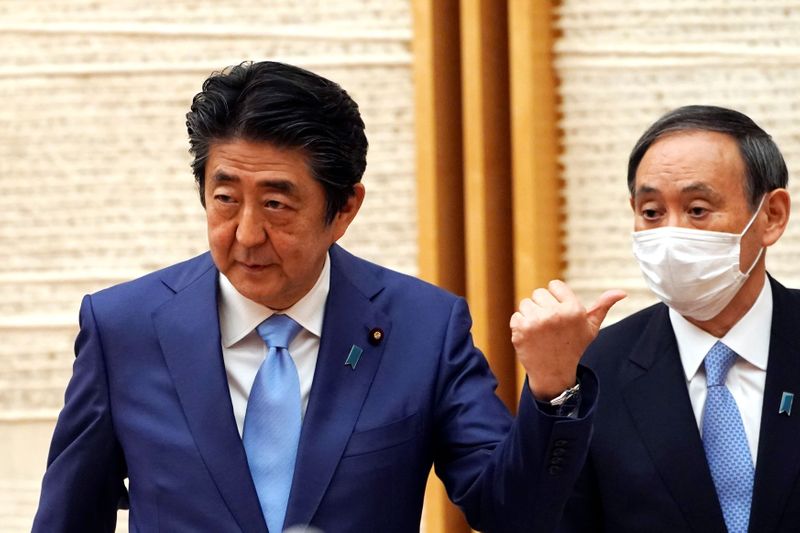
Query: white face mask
[[695, 272]]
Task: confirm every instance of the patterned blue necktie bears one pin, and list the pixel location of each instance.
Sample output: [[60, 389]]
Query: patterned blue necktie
[[272, 421], [725, 442]]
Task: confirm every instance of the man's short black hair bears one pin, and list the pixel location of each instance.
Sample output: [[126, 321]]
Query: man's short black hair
[[288, 107], [765, 167]]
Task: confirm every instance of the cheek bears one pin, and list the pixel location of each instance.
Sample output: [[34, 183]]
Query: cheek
[[289, 247], [300, 251], [751, 245], [220, 235]]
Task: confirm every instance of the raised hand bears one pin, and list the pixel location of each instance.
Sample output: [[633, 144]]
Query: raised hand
[[550, 332]]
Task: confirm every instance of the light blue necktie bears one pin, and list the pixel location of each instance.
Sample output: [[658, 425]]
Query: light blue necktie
[[725, 442], [272, 421]]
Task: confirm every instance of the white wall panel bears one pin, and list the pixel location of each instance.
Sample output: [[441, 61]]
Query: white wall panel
[[94, 170], [621, 65]]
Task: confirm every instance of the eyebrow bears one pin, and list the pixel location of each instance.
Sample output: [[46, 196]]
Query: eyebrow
[[645, 189], [275, 184], [694, 187]]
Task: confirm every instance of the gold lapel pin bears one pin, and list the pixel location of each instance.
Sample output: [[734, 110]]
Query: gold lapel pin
[[375, 336]]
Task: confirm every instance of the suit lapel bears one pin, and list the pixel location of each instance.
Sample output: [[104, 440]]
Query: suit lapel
[[188, 331], [655, 392], [778, 465], [338, 391]]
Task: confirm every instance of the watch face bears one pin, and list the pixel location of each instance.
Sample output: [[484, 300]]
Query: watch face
[[565, 396]]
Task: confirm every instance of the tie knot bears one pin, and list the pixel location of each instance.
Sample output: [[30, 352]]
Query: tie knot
[[278, 331], [718, 361]]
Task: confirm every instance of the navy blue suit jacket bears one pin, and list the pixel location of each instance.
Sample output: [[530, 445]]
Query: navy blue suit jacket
[[646, 469], [149, 400]]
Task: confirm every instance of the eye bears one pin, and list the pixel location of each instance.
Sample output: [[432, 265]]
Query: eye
[[223, 198], [274, 204], [649, 214], [697, 211]]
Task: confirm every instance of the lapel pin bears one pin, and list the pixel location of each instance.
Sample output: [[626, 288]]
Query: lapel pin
[[786, 404], [375, 336], [353, 356]]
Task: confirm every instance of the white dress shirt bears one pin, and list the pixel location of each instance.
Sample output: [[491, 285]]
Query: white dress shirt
[[749, 338], [243, 350]]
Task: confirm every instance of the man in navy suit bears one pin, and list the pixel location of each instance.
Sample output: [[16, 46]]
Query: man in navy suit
[[695, 430], [384, 380]]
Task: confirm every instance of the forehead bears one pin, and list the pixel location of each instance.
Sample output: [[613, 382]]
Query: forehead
[[692, 159], [245, 160]]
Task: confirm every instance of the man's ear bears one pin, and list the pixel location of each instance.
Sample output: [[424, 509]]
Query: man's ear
[[778, 204], [348, 211]]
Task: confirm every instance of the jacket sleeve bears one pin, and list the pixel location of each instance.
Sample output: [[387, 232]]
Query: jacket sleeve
[[505, 474], [83, 483], [582, 513]]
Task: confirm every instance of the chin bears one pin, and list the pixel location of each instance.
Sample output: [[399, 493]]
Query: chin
[[258, 296], [256, 291]]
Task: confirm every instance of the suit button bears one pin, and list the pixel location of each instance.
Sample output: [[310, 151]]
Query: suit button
[[558, 452], [560, 443], [556, 460], [554, 470]]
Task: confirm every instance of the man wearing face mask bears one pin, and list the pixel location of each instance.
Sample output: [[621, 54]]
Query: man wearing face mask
[[694, 429]]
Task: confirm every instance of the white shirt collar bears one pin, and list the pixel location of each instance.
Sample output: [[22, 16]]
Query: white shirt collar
[[238, 316], [749, 337]]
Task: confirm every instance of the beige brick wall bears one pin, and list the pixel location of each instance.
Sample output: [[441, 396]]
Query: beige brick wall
[[622, 64], [94, 172]]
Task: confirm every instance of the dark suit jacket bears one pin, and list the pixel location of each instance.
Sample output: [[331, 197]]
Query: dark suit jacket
[[149, 400], [646, 469]]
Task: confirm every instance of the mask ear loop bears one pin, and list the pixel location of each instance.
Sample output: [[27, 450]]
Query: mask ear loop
[[760, 253], [753, 218], [747, 227]]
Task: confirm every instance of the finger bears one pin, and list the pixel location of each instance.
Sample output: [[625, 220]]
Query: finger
[[562, 292], [544, 298], [516, 320], [597, 312], [527, 307]]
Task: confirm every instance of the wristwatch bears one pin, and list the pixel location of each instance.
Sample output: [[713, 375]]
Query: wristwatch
[[565, 396]]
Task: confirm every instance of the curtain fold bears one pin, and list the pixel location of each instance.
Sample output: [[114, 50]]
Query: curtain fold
[[487, 173]]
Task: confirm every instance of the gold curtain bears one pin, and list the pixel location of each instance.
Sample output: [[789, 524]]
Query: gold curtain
[[487, 173]]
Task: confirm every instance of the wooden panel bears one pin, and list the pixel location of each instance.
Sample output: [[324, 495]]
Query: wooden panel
[[438, 130], [439, 184], [535, 184], [487, 191]]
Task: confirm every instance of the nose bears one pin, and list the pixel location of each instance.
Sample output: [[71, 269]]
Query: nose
[[250, 232], [675, 219]]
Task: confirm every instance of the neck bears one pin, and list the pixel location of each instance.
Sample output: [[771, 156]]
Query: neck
[[738, 307]]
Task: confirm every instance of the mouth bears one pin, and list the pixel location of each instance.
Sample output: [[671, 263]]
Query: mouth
[[253, 267]]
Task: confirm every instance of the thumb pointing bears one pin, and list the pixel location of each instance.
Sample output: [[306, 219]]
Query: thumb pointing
[[599, 309]]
